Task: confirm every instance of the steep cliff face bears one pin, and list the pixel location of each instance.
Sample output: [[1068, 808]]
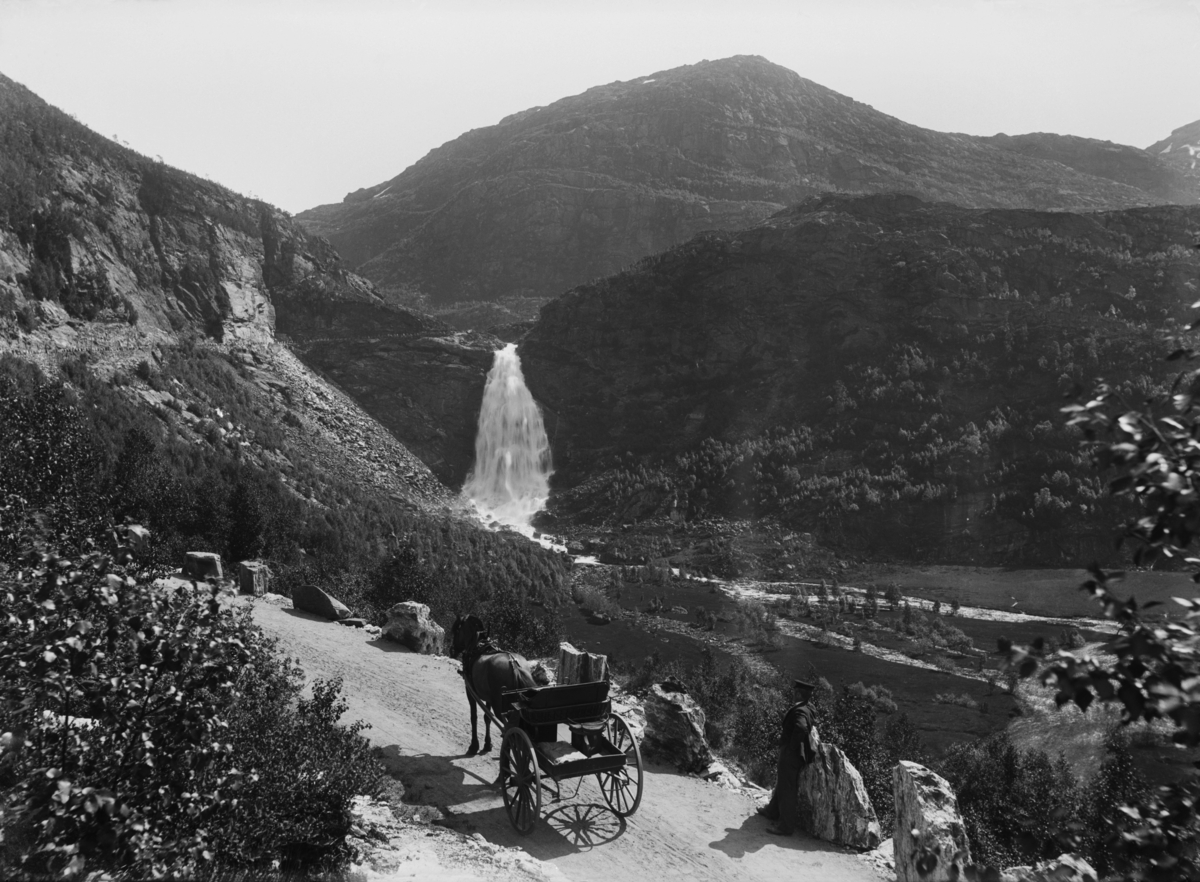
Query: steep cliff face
[[554, 196], [111, 236], [875, 367]]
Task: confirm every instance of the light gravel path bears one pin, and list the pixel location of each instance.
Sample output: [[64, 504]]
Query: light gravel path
[[685, 828]]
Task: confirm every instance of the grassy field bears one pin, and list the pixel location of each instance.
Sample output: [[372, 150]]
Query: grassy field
[[1036, 592]]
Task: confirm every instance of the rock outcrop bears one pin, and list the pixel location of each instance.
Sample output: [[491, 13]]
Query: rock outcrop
[[1064, 868], [930, 842], [833, 802], [675, 728], [410, 624], [311, 599], [553, 196]]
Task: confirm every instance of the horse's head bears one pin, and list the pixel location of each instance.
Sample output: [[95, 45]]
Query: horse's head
[[464, 634]]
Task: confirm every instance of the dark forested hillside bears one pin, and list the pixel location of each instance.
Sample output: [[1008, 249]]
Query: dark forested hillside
[[553, 196], [884, 372]]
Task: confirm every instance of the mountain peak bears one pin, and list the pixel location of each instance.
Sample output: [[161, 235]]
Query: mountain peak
[[553, 196]]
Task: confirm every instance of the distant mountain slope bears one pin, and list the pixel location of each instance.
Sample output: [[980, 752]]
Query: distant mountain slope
[[553, 196], [881, 371], [1143, 169], [1182, 151]]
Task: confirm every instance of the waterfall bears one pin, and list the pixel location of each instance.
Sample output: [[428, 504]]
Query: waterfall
[[510, 481]]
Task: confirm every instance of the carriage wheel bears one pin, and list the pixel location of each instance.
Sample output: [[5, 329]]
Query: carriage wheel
[[520, 781], [623, 788]]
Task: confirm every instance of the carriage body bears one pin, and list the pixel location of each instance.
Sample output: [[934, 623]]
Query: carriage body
[[600, 743]]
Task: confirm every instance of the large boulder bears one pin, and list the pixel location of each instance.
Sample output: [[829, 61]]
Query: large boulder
[[930, 842], [675, 727], [253, 577], [1064, 868], [409, 624], [138, 538], [203, 565], [833, 803], [311, 599]]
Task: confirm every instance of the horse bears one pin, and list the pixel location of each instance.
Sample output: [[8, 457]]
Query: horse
[[489, 671]]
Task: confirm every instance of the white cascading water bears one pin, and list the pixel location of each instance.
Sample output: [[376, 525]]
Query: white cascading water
[[510, 481]]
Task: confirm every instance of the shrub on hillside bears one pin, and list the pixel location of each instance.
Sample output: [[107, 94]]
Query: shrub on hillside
[[156, 733], [1015, 804]]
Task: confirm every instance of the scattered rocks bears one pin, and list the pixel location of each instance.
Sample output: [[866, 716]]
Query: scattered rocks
[[930, 842], [675, 727], [203, 565], [718, 773], [834, 805], [311, 599], [410, 624], [1064, 868]]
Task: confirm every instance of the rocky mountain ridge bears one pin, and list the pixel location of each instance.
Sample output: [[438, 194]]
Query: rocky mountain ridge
[[553, 196]]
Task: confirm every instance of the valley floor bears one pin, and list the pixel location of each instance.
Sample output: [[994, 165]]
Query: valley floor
[[685, 828]]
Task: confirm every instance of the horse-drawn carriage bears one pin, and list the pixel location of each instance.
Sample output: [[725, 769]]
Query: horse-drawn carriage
[[600, 744], [531, 718]]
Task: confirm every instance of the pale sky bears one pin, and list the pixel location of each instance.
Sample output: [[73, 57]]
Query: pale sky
[[301, 101]]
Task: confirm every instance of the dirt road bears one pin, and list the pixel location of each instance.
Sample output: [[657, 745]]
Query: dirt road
[[685, 828]]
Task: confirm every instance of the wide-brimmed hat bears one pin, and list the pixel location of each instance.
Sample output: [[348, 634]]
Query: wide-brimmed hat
[[807, 687]]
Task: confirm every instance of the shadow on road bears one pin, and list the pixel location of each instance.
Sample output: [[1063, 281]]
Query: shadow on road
[[470, 803], [753, 835], [386, 645], [312, 617], [585, 825]]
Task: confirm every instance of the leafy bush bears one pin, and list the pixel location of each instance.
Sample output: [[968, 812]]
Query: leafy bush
[[156, 733], [1015, 804]]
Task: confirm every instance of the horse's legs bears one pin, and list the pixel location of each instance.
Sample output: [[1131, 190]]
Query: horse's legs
[[487, 730], [474, 748]]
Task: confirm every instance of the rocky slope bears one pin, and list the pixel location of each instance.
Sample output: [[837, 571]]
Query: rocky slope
[[418, 377], [113, 258], [879, 370], [553, 196]]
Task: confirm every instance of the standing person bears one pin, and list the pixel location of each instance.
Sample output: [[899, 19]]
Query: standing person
[[797, 744]]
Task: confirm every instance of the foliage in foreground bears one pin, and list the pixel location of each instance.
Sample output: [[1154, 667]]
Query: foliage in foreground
[[1152, 668], [159, 734]]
